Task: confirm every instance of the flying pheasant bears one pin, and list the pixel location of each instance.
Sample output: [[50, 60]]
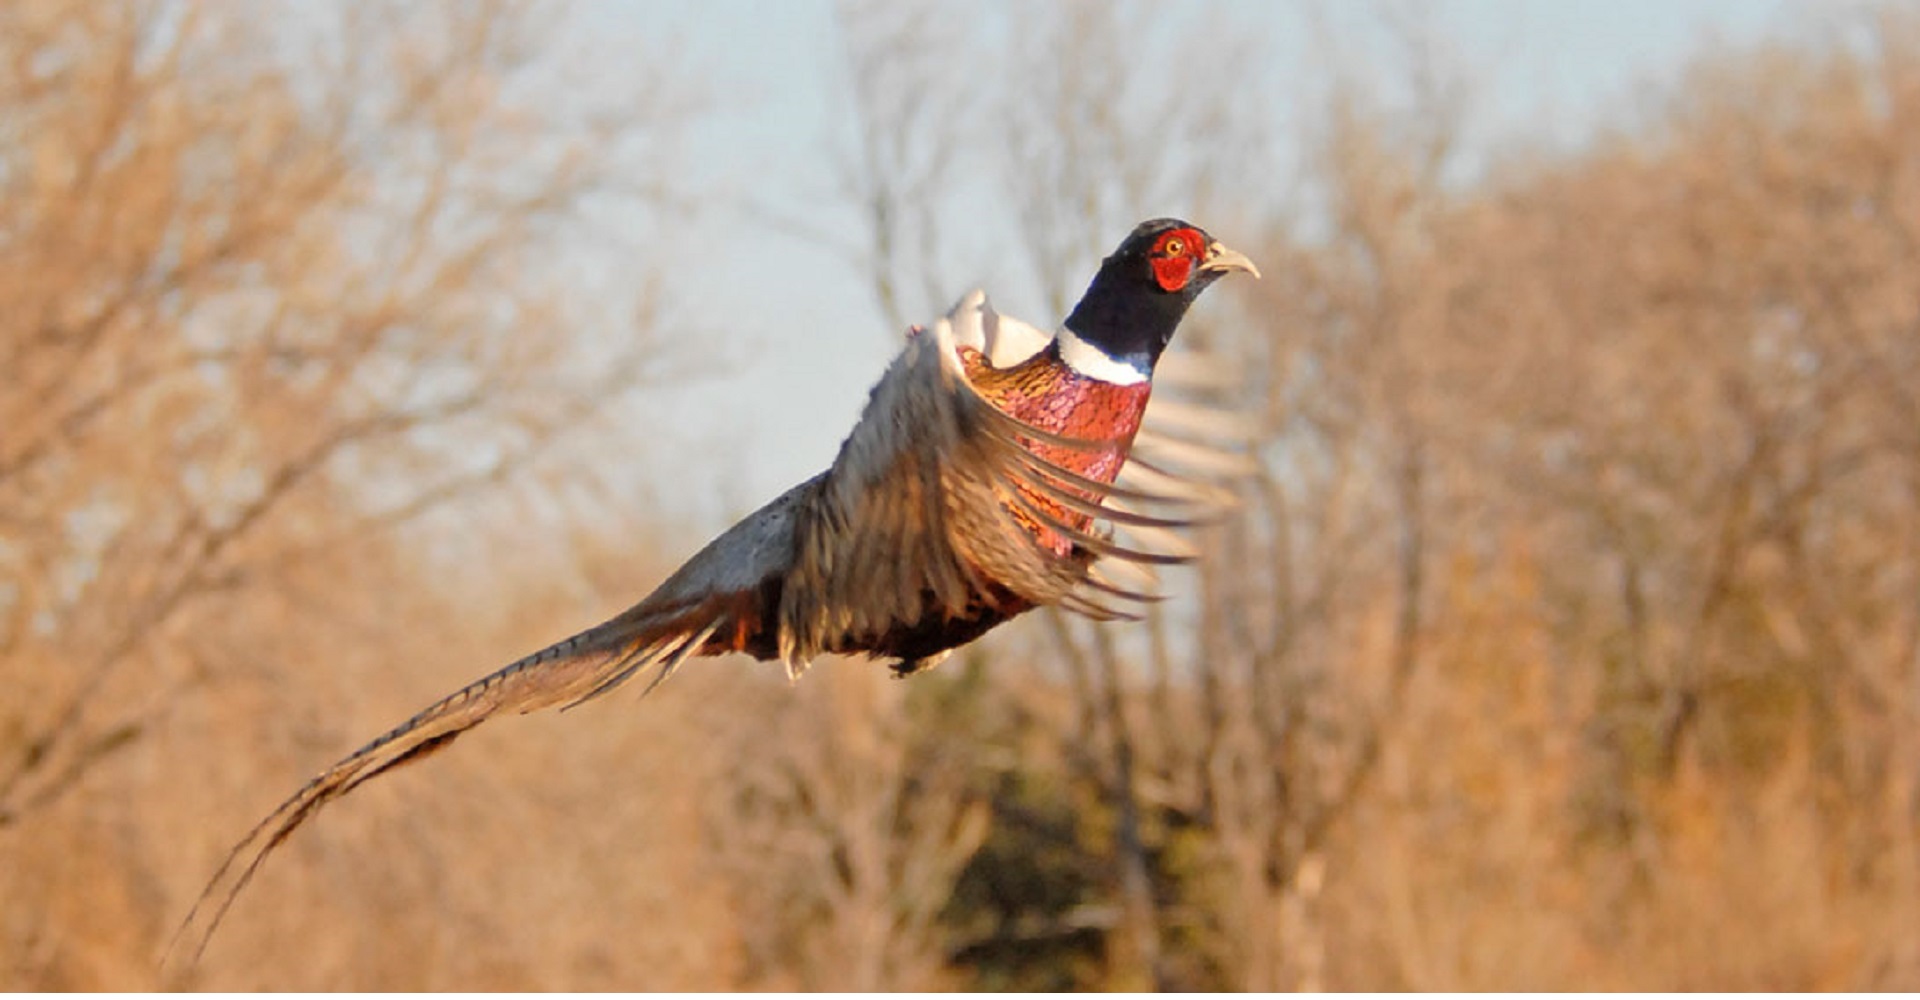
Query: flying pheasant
[[978, 484]]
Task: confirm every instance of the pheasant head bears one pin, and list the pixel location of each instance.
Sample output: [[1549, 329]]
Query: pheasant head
[[1142, 290]]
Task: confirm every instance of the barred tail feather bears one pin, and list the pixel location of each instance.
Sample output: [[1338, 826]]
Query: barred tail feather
[[571, 671]]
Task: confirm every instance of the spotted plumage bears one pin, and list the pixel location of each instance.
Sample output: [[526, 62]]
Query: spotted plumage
[[979, 483]]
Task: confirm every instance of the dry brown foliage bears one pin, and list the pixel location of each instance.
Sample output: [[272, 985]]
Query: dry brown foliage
[[1567, 638]]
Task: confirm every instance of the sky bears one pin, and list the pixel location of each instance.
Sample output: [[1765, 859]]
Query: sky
[[799, 324]]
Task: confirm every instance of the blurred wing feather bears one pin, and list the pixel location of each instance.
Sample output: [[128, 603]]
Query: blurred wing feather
[[929, 501]]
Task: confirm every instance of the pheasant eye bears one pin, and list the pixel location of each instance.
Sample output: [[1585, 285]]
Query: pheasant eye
[[1173, 247]]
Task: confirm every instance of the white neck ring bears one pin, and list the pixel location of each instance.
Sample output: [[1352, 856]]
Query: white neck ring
[[1095, 363]]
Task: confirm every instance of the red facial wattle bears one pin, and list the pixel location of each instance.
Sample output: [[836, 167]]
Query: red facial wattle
[[1172, 272], [1174, 256]]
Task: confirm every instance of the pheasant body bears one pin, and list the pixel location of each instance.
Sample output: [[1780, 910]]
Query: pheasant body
[[1047, 394], [975, 487]]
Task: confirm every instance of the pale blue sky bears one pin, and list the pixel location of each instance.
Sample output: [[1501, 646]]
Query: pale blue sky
[[803, 324]]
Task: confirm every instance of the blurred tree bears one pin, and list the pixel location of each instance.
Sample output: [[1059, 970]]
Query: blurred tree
[[1566, 637], [1633, 409], [846, 814], [277, 278]]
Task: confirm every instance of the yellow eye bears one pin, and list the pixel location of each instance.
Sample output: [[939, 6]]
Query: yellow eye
[[1174, 248]]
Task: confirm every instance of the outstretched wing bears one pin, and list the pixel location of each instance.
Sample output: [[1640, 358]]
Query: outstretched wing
[[719, 601], [932, 504]]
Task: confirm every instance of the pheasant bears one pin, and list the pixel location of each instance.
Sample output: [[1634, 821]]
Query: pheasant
[[978, 484]]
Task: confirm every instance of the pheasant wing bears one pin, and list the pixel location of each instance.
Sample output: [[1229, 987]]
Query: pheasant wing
[[930, 506]]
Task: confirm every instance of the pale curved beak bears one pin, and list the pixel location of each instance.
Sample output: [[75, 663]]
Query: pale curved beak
[[1221, 257]]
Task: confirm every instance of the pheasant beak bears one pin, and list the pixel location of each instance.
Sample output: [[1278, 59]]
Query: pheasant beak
[[1221, 257]]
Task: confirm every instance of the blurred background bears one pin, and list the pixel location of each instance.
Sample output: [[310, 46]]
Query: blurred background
[[1568, 637]]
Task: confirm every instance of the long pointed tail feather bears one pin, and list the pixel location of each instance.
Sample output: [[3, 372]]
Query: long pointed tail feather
[[574, 670]]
